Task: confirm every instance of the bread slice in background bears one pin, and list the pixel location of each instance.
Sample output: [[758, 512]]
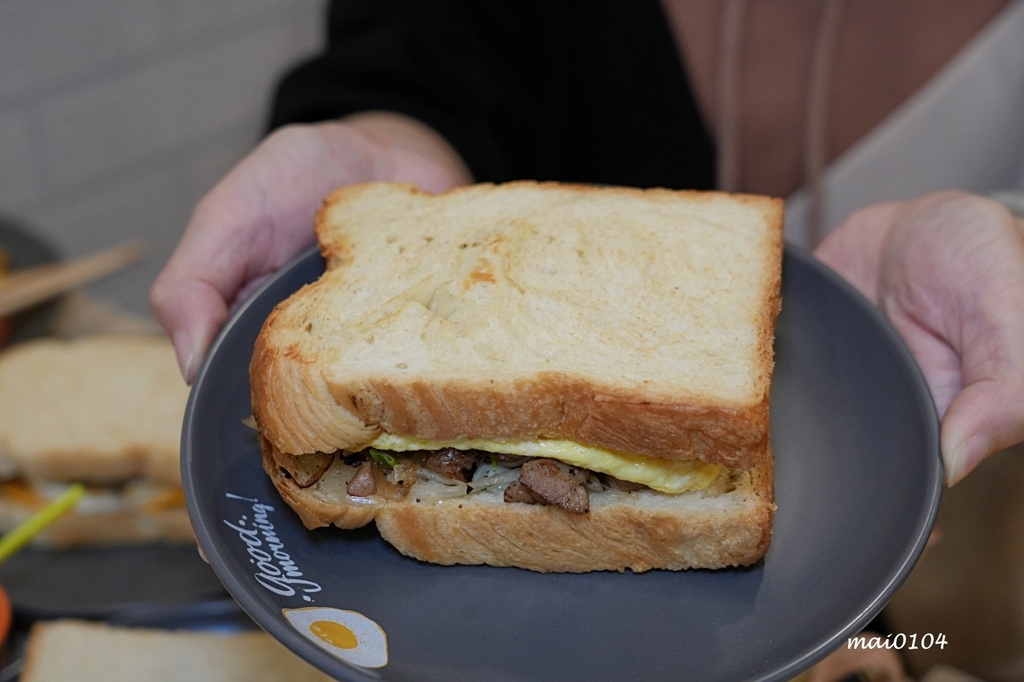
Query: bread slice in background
[[635, 320], [97, 409], [62, 650], [103, 410]]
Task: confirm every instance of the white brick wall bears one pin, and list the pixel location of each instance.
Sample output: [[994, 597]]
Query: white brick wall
[[117, 115]]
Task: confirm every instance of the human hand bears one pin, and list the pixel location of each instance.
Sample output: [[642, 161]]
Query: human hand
[[947, 270], [261, 213]]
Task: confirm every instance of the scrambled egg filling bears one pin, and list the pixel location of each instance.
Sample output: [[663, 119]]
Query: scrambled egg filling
[[664, 475]]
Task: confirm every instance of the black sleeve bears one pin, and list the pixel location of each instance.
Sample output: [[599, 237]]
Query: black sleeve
[[570, 90]]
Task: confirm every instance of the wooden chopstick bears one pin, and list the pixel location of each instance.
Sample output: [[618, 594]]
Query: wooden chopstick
[[24, 288]]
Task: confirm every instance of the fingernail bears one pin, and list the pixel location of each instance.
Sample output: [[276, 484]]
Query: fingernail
[[965, 457], [184, 353]]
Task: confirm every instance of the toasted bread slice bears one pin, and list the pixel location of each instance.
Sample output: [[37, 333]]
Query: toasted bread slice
[[68, 649], [639, 321]]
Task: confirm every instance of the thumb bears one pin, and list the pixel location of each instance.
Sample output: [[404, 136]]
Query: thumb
[[985, 417], [191, 312]]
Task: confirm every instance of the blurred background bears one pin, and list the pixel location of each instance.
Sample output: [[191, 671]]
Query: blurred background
[[117, 115]]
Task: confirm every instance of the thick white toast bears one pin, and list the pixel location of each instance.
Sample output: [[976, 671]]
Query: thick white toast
[[67, 649], [638, 321]]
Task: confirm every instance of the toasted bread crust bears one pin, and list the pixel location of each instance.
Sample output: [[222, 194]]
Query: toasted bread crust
[[638, 531], [560, 407], [543, 406], [303, 405], [612, 537]]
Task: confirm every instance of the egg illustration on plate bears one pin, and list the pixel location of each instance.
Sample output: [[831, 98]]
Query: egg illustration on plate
[[347, 635]]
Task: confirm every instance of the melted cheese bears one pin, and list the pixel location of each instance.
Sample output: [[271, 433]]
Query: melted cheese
[[665, 475]]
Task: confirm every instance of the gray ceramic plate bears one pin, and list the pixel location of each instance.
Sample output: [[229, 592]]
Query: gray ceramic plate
[[98, 582], [858, 483]]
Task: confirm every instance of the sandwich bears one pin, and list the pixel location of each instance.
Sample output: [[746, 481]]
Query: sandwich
[[555, 377], [103, 411]]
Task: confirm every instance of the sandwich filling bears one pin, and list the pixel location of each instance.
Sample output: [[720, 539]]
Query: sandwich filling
[[141, 495], [136, 494], [667, 476], [548, 472]]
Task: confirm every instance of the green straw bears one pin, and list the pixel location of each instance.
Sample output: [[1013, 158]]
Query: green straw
[[23, 533]]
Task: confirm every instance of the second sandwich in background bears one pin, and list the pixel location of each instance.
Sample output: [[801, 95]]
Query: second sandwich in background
[[105, 411]]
